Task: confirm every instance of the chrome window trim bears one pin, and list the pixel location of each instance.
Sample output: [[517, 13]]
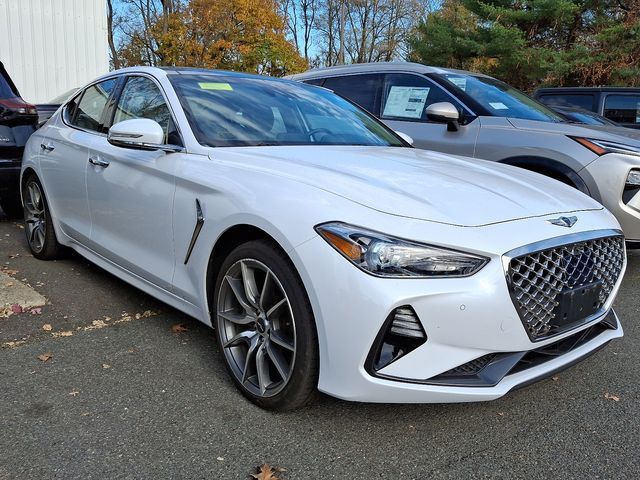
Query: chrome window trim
[[79, 95]]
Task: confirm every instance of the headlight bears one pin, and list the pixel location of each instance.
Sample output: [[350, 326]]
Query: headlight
[[387, 256], [600, 147]]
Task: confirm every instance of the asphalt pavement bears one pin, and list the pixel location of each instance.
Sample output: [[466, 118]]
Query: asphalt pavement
[[105, 382]]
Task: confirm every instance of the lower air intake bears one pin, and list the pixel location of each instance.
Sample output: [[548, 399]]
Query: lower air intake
[[401, 333]]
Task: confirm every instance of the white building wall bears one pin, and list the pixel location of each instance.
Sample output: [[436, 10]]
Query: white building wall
[[51, 46]]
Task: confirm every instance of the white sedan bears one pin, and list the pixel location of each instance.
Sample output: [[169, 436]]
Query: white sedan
[[325, 251]]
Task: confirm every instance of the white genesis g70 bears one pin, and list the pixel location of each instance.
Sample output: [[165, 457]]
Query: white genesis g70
[[325, 251]]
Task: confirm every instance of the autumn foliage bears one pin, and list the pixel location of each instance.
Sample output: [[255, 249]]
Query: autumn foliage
[[242, 35]]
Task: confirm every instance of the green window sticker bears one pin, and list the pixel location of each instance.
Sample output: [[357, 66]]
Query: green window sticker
[[214, 86]]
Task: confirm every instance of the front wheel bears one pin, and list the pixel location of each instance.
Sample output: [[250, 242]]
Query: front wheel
[[41, 236], [265, 328]]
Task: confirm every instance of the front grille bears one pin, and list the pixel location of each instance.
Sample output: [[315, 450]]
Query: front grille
[[538, 279]]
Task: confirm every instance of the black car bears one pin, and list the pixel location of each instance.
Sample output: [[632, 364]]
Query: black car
[[18, 120], [619, 104]]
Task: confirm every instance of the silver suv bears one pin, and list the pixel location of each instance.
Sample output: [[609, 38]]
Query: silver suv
[[474, 115]]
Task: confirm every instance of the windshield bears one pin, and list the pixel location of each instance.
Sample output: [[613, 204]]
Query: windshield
[[500, 99], [225, 110], [587, 118]]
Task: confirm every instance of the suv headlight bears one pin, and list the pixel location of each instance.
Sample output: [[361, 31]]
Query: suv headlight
[[600, 147], [385, 256]]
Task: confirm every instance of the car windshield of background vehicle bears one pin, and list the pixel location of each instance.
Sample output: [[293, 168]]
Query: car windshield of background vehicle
[[227, 111], [500, 99], [622, 108]]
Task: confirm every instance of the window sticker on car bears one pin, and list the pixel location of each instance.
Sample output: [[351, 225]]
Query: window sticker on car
[[214, 86], [459, 82], [407, 102], [498, 106]]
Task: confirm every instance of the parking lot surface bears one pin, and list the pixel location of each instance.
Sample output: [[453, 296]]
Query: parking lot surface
[[105, 382]]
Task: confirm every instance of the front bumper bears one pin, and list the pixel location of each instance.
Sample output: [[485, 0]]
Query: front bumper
[[610, 173], [464, 319]]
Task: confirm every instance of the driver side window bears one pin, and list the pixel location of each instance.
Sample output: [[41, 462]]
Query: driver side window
[[141, 98], [406, 97]]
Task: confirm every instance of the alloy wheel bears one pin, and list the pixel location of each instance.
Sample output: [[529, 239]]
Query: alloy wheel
[[257, 327], [35, 216]]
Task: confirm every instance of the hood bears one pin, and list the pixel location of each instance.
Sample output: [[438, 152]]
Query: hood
[[622, 135], [415, 183]]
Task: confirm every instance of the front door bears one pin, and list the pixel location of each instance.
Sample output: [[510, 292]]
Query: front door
[[131, 191], [405, 98]]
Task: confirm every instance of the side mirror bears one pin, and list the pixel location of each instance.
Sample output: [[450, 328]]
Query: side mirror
[[444, 112], [141, 134], [405, 137]]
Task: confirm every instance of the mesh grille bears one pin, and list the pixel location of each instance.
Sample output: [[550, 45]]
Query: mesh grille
[[538, 279], [472, 367]]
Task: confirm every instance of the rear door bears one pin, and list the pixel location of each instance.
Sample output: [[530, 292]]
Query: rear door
[[131, 191], [65, 152]]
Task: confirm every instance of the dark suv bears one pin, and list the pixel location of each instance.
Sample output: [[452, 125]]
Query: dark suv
[[18, 120], [622, 105]]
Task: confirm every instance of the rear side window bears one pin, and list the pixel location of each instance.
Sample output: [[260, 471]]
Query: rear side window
[[584, 101], [141, 98], [406, 97], [363, 90], [315, 81], [623, 108], [90, 109]]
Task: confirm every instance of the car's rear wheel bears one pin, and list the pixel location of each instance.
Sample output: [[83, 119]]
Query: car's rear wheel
[[41, 236], [265, 328]]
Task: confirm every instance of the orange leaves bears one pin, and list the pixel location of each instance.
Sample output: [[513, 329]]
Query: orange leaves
[[267, 472]]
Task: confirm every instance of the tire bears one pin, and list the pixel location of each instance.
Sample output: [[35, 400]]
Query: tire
[[11, 205], [265, 328], [41, 236]]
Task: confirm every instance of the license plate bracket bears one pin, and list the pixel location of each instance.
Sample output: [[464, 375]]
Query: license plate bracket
[[577, 303]]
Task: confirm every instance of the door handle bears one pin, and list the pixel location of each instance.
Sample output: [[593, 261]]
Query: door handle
[[47, 147], [98, 162]]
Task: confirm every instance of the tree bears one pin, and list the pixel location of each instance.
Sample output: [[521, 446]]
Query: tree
[[244, 35], [531, 42]]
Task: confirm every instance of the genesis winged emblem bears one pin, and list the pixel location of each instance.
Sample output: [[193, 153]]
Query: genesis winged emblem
[[563, 221]]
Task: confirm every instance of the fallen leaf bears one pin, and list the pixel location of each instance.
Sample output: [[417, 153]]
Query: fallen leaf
[[267, 472], [62, 334], [609, 396], [36, 311], [9, 271], [220, 459], [15, 308], [47, 327], [106, 365], [501, 414], [13, 344], [74, 393], [179, 328], [45, 356], [555, 378]]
